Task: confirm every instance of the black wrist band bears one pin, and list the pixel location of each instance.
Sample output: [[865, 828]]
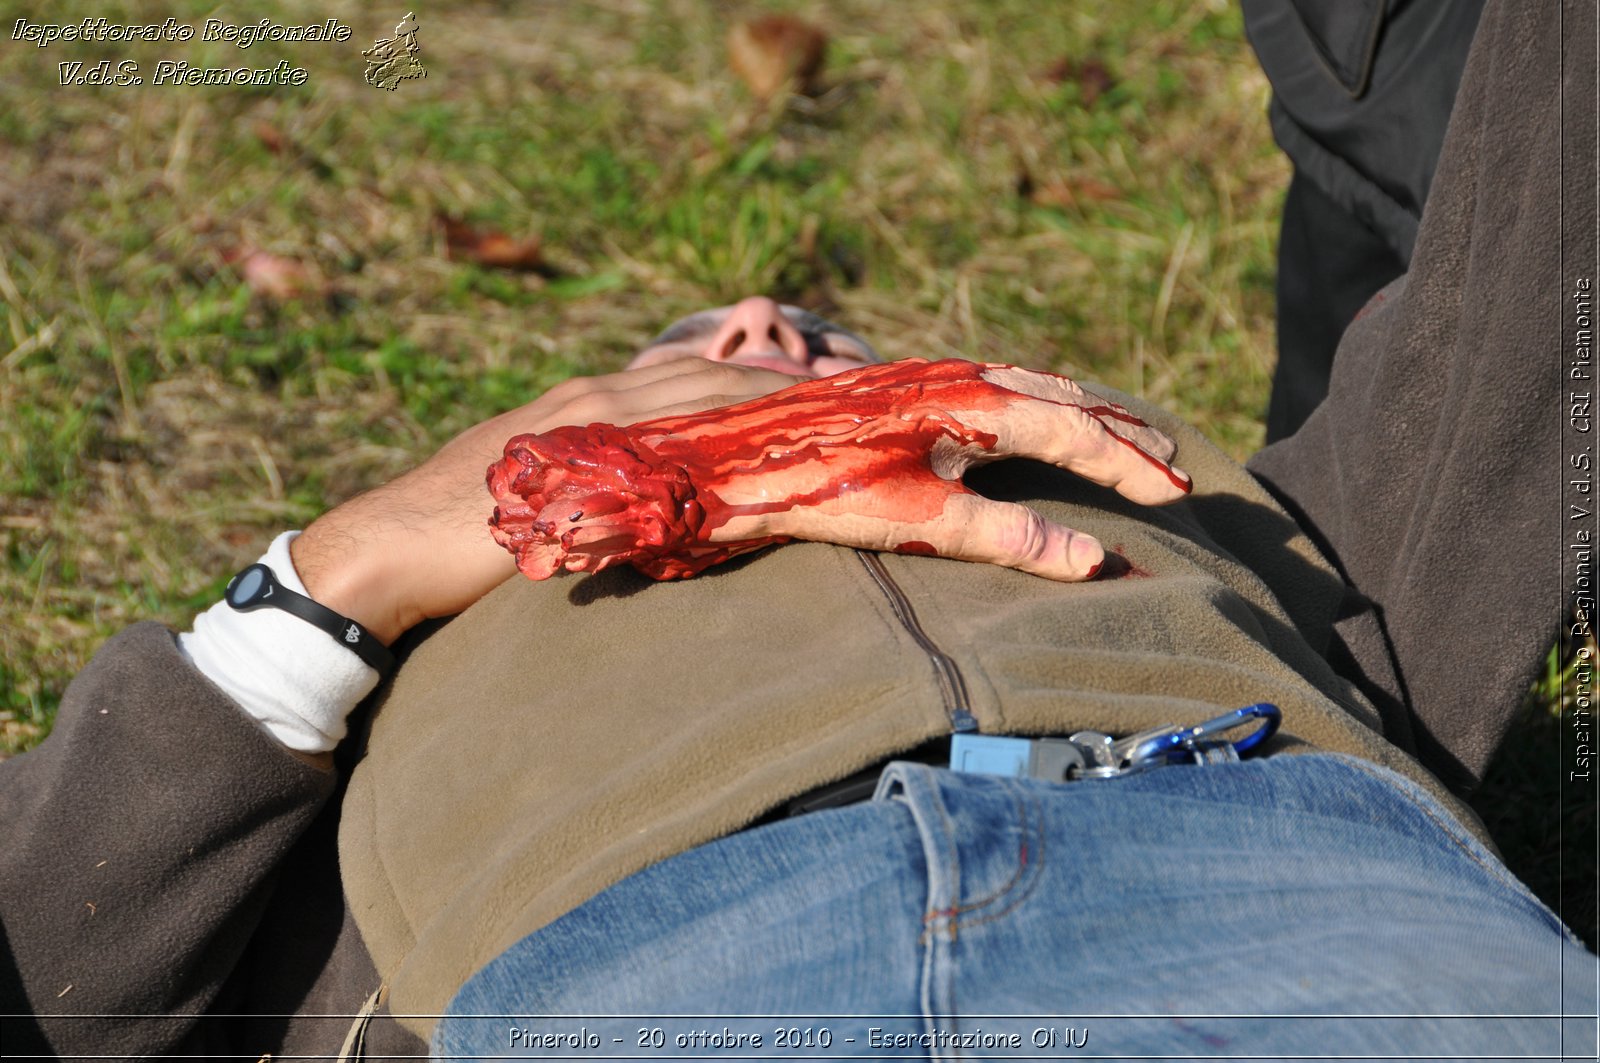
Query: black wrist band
[[256, 587]]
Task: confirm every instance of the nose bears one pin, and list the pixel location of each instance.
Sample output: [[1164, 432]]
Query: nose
[[756, 326]]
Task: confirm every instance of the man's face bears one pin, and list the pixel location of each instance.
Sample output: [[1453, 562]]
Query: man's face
[[758, 332]]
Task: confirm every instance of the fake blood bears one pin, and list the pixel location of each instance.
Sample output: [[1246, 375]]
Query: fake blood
[[1117, 566], [655, 494]]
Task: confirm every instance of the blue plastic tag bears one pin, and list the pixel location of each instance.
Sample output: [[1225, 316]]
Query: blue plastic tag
[[990, 754]]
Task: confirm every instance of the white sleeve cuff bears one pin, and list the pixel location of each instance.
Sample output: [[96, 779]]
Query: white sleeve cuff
[[295, 678]]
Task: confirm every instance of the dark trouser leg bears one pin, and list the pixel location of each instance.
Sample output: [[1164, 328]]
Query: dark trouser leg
[[1362, 94], [1432, 473], [1329, 265]]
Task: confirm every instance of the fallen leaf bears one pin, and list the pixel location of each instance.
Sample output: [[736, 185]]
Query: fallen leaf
[[1090, 74], [1097, 191], [773, 50], [271, 137], [1071, 192], [283, 145], [489, 247], [1058, 71], [274, 276]]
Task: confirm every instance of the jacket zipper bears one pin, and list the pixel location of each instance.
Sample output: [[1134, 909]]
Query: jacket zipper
[[952, 688]]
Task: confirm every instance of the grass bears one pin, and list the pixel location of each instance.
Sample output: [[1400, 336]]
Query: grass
[[1545, 825], [945, 195]]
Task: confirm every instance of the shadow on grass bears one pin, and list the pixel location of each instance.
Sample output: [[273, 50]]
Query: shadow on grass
[[1544, 822]]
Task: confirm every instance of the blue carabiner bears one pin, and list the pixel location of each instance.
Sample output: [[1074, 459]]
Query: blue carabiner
[[1181, 743], [1262, 710]]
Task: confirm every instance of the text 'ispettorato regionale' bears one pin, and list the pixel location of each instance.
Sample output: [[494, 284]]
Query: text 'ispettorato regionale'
[[177, 71]]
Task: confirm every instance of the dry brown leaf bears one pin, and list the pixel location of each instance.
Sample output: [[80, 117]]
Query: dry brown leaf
[[773, 50], [1090, 74], [1072, 192], [274, 276], [290, 150], [489, 247], [271, 137]]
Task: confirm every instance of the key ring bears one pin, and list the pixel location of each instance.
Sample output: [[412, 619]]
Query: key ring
[[1184, 742], [1095, 755]]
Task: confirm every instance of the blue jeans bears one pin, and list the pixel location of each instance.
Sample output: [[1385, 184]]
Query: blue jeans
[[1290, 906]]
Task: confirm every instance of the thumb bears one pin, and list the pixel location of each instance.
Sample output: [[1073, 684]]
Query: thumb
[[975, 528], [968, 527]]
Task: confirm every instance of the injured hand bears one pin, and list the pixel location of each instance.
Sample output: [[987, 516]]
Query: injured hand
[[871, 458]]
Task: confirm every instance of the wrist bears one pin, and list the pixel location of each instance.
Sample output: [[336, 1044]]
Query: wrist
[[288, 674], [345, 573]]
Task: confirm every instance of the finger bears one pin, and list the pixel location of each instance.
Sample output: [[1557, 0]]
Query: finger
[[574, 399], [624, 379], [975, 528], [1085, 445], [712, 385], [699, 404], [650, 392], [1059, 389], [1071, 438], [969, 527], [628, 380]]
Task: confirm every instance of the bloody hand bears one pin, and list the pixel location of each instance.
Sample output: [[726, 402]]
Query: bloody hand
[[871, 458]]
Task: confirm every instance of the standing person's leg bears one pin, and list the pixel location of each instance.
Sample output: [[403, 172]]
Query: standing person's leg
[[1329, 265], [1361, 97], [1432, 473]]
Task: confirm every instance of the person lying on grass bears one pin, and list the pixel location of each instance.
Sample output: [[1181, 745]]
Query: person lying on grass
[[575, 796]]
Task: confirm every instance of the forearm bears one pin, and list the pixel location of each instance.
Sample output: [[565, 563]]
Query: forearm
[[419, 548]]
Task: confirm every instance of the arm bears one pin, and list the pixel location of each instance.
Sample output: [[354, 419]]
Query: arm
[[418, 548], [136, 848], [139, 843]]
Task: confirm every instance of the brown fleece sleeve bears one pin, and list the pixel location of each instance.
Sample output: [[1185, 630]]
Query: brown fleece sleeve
[[137, 845]]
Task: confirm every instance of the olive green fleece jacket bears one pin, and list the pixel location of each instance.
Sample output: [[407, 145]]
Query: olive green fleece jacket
[[559, 736]]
